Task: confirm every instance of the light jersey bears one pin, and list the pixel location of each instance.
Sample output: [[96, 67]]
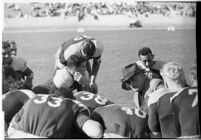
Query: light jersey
[[186, 109], [13, 101], [124, 121], [92, 101], [51, 116], [63, 78], [73, 47], [161, 117]]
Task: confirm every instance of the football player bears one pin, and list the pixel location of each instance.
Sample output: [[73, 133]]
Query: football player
[[161, 118], [69, 78], [13, 101], [148, 63], [24, 73], [186, 108], [123, 121], [86, 48], [92, 101], [52, 116], [154, 85]]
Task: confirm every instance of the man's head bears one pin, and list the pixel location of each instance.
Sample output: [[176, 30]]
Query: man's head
[[173, 72], [8, 77], [146, 56], [6, 53], [13, 47], [88, 49], [76, 63]]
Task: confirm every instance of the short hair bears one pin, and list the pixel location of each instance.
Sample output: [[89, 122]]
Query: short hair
[[8, 71], [173, 71], [74, 61], [88, 47], [144, 51]]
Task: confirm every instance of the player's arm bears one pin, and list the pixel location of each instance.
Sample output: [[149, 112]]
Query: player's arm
[[153, 121], [17, 117], [88, 65], [90, 127], [95, 68], [29, 78]]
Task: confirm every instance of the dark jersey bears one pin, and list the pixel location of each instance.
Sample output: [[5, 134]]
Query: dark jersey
[[186, 109], [13, 101], [161, 117], [124, 121], [51, 116], [92, 101]]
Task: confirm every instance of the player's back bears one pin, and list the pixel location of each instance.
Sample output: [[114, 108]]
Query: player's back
[[186, 109], [92, 101], [50, 116], [127, 122], [166, 117], [13, 101], [19, 64]]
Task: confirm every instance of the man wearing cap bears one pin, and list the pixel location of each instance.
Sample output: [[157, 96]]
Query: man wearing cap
[[86, 48]]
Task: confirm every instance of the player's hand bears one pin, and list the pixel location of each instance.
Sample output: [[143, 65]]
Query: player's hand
[[93, 87], [80, 78]]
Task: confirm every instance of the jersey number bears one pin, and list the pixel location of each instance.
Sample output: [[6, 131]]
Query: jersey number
[[98, 99], [138, 112], [195, 101], [54, 102]]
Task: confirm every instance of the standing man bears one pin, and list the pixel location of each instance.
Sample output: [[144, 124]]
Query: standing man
[[86, 48]]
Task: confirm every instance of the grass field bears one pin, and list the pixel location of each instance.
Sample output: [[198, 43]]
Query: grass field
[[121, 47]]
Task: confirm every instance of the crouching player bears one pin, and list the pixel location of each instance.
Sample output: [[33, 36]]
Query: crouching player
[[12, 102], [51, 116], [91, 100], [121, 121]]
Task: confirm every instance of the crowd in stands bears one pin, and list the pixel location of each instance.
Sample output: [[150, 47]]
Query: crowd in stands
[[122, 8]]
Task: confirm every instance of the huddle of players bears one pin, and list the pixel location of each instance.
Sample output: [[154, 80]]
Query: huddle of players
[[85, 113]]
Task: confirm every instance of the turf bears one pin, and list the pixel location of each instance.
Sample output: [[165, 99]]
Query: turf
[[121, 47]]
